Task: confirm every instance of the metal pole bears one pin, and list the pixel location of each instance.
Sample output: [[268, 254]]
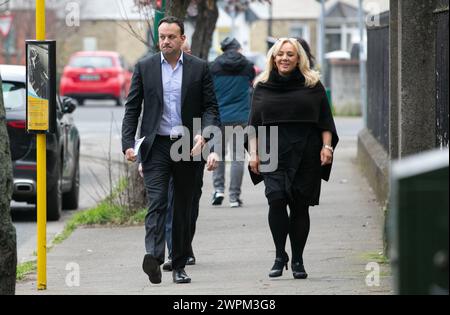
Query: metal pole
[[7, 48], [322, 41], [233, 23], [270, 24], [41, 148], [362, 63]]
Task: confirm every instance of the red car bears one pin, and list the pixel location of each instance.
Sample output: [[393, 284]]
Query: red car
[[96, 75]]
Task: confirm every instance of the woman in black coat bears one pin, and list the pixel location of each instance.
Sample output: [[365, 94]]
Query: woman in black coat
[[288, 95]]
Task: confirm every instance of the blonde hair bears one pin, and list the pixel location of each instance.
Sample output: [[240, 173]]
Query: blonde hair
[[311, 76]]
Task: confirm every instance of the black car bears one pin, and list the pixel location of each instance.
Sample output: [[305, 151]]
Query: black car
[[63, 148]]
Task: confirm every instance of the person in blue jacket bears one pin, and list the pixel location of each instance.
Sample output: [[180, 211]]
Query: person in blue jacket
[[233, 75]]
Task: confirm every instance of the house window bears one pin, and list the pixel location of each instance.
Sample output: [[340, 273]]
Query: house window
[[340, 37], [299, 30], [332, 42]]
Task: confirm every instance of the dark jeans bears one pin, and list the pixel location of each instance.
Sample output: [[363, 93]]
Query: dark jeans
[[158, 169]]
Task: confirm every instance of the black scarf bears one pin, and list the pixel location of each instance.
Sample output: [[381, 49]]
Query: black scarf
[[286, 99]]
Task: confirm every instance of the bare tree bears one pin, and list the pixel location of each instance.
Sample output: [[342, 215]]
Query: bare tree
[[178, 8], [207, 16], [8, 250]]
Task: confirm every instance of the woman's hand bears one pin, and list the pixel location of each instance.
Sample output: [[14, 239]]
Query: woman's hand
[[326, 156], [254, 163]]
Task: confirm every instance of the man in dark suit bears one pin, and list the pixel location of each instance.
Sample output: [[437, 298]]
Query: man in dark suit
[[175, 88]]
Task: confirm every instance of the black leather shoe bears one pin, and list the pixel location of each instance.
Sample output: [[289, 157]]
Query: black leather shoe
[[298, 271], [167, 265], [180, 276], [190, 261], [152, 269], [277, 269]]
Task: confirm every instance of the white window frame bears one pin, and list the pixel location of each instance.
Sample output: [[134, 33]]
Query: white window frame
[[303, 26]]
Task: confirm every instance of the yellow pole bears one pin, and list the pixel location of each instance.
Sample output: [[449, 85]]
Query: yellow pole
[[41, 148]]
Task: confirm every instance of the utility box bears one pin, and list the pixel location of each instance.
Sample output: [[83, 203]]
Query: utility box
[[418, 223]]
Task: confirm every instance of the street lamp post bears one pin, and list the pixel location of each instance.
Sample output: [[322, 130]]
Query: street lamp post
[[270, 24], [362, 63], [322, 39]]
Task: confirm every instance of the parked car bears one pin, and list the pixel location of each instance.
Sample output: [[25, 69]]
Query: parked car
[[96, 75], [63, 148]]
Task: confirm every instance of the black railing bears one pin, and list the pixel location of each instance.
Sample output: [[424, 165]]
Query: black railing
[[378, 81]]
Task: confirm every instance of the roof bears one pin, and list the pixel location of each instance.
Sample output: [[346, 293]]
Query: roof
[[12, 73]]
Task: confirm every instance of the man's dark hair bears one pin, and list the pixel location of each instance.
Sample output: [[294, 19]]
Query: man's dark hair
[[171, 20]]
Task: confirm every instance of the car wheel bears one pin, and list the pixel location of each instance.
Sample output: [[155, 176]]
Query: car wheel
[[54, 197], [70, 199], [80, 101]]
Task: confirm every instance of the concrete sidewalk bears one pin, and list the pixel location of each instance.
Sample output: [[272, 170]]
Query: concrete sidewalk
[[234, 247]]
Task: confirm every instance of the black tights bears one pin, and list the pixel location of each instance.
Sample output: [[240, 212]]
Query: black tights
[[296, 225]]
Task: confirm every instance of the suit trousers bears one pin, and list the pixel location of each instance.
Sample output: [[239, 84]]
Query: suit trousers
[[194, 211], [158, 168]]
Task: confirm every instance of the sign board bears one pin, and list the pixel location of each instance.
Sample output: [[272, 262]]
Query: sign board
[[41, 86], [5, 24]]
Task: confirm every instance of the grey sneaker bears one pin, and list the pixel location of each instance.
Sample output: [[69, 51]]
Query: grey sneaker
[[217, 198], [236, 203]]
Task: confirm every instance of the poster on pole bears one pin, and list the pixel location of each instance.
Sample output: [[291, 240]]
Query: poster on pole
[[41, 86]]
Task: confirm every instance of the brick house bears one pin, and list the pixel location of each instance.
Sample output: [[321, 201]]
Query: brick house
[[80, 25]]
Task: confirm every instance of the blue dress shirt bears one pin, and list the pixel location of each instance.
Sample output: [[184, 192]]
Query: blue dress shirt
[[171, 123]]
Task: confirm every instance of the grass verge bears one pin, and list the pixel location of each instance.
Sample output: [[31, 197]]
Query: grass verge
[[105, 214], [24, 269]]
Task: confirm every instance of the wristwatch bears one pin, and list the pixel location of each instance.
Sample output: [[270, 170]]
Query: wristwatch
[[329, 147]]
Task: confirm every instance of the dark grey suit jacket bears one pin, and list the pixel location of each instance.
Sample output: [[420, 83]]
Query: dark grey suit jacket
[[198, 100]]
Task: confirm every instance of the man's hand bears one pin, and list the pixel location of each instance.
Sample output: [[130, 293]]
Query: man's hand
[[129, 155], [212, 162], [199, 143], [254, 162]]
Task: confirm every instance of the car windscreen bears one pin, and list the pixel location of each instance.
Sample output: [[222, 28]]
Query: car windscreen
[[91, 62], [13, 95]]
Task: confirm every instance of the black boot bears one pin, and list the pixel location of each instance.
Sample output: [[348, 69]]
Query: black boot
[[280, 263], [298, 271]]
